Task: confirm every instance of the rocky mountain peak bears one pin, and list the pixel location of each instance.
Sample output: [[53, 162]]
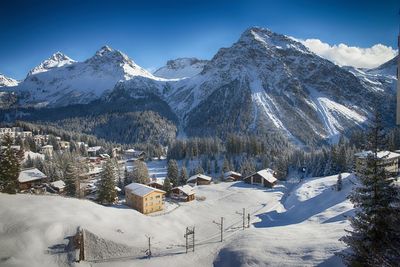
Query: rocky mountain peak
[[56, 60]]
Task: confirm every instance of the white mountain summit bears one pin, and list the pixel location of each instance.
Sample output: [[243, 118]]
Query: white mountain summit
[[61, 81], [58, 59]]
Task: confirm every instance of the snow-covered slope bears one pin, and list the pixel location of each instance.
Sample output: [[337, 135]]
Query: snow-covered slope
[[58, 59], [181, 68], [60, 81], [7, 82], [305, 232], [300, 229]]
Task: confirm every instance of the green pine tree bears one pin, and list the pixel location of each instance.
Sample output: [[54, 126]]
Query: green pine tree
[[9, 167], [173, 172], [167, 187], [106, 191], [140, 173], [183, 176], [70, 180], [374, 239]]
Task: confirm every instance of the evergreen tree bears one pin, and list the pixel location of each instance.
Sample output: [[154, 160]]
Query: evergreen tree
[[216, 167], [375, 237], [167, 187], [70, 180], [173, 172], [127, 177], [199, 170], [247, 167], [140, 173], [225, 166], [183, 176], [106, 191], [9, 167], [339, 182]]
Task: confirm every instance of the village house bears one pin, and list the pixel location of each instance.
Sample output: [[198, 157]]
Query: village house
[[58, 186], [387, 159], [64, 145], [94, 150], [232, 176], [183, 193], [134, 154], [199, 179], [264, 177], [159, 184], [143, 198], [30, 177], [47, 150]]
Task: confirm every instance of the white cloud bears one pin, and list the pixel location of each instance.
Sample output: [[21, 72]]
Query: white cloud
[[345, 55]]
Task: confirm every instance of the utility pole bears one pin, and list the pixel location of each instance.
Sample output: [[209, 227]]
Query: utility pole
[[148, 251], [248, 220], [221, 224], [244, 216], [189, 239]]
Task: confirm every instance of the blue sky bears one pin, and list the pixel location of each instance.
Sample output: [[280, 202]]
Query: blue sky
[[151, 32]]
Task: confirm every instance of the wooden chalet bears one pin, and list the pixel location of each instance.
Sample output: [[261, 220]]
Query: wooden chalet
[[29, 178], [232, 176], [58, 186], [156, 184], [143, 198], [183, 193], [199, 179], [264, 177]]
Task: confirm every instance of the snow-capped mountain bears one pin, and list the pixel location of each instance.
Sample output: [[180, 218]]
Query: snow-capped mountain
[[265, 82], [181, 68], [58, 59], [7, 82], [61, 81]]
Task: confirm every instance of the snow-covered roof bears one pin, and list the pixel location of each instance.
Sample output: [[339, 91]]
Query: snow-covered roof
[[158, 181], [227, 174], [201, 176], [93, 148], [380, 155], [268, 175], [187, 189], [30, 175], [141, 189], [58, 184]]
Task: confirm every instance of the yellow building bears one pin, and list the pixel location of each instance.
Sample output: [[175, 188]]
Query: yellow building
[[143, 198]]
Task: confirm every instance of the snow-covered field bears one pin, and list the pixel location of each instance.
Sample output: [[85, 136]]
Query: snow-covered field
[[291, 225]]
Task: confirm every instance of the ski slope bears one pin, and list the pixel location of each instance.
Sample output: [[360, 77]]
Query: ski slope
[[291, 225]]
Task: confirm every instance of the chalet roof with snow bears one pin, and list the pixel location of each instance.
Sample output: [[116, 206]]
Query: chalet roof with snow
[[30, 175], [199, 176], [227, 174], [158, 181], [141, 189], [186, 189], [94, 149], [380, 154], [58, 184], [268, 175]]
